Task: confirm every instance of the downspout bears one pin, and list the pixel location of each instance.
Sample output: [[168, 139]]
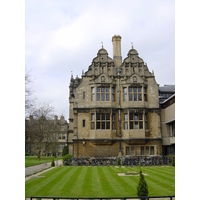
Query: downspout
[[119, 106]]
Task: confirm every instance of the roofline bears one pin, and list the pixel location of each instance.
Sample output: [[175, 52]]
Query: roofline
[[168, 99]]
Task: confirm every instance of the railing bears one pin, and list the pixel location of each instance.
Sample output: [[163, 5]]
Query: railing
[[120, 198]]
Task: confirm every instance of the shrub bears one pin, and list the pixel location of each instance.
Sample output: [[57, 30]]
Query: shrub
[[65, 151], [53, 163], [118, 162], [142, 189], [67, 159], [173, 161]]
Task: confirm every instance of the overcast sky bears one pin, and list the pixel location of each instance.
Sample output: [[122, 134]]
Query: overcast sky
[[65, 35]]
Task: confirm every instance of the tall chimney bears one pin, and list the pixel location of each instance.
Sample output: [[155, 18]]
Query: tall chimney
[[116, 39]]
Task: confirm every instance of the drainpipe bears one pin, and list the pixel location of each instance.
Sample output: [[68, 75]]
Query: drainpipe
[[119, 106]]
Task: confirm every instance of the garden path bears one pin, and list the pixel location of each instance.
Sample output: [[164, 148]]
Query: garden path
[[37, 168]]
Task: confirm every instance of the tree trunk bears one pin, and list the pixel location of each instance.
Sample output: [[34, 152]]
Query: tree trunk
[[39, 155]]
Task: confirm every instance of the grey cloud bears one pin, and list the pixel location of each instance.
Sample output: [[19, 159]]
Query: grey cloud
[[59, 32]]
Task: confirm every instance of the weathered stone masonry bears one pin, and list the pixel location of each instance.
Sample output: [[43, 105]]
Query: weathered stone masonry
[[94, 108]]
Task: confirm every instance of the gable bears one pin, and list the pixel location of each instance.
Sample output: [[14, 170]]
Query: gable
[[103, 79], [135, 79]]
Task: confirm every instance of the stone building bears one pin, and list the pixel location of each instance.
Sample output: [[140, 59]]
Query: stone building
[[165, 92], [168, 125], [114, 108], [45, 135]]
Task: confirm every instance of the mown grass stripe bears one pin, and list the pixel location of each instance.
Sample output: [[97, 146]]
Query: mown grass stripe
[[86, 182], [159, 173], [40, 183], [73, 182], [60, 181], [155, 188], [81, 180], [117, 189], [166, 170], [159, 183], [100, 181], [122, 186], [51, 183], [107, 189], [96, 187]]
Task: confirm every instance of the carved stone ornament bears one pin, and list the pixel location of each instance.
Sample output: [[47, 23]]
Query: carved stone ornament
[[134, 79], [103, 79]]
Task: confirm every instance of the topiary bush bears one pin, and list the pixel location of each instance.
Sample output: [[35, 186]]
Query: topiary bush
[[53, 163], [142, 188], [67, 159]]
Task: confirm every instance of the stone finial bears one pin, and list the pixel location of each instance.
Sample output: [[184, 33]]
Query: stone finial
[[71, 74], [102, 45]]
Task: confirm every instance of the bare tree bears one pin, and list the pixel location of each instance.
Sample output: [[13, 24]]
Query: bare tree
[[29, 99], [43, 130]]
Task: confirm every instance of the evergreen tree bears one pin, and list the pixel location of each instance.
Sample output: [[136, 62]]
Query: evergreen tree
[[142, 189], [65, 151], [53, 163]]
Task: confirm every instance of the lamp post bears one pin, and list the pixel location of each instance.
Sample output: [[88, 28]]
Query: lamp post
[[119, 106]]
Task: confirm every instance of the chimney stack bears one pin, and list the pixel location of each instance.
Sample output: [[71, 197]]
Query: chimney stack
[[116, 39]]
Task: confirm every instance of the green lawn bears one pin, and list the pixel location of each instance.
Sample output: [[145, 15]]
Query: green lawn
[[33, 160], [100, 181]]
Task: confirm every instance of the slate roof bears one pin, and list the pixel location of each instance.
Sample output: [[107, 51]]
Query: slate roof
[[167, 88]]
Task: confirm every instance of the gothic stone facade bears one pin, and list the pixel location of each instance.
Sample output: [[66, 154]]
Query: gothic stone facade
[[114, 108]]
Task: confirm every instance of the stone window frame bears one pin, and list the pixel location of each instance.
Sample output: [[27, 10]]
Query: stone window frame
[[134, 93], [93, 121], [145, 93], [135, 120], [103, 93], [137, 93], [103, 121], [92, 93], [125, 121], [132, 150], [113, 94], [113, 121], [125, 94], [152, 149]]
